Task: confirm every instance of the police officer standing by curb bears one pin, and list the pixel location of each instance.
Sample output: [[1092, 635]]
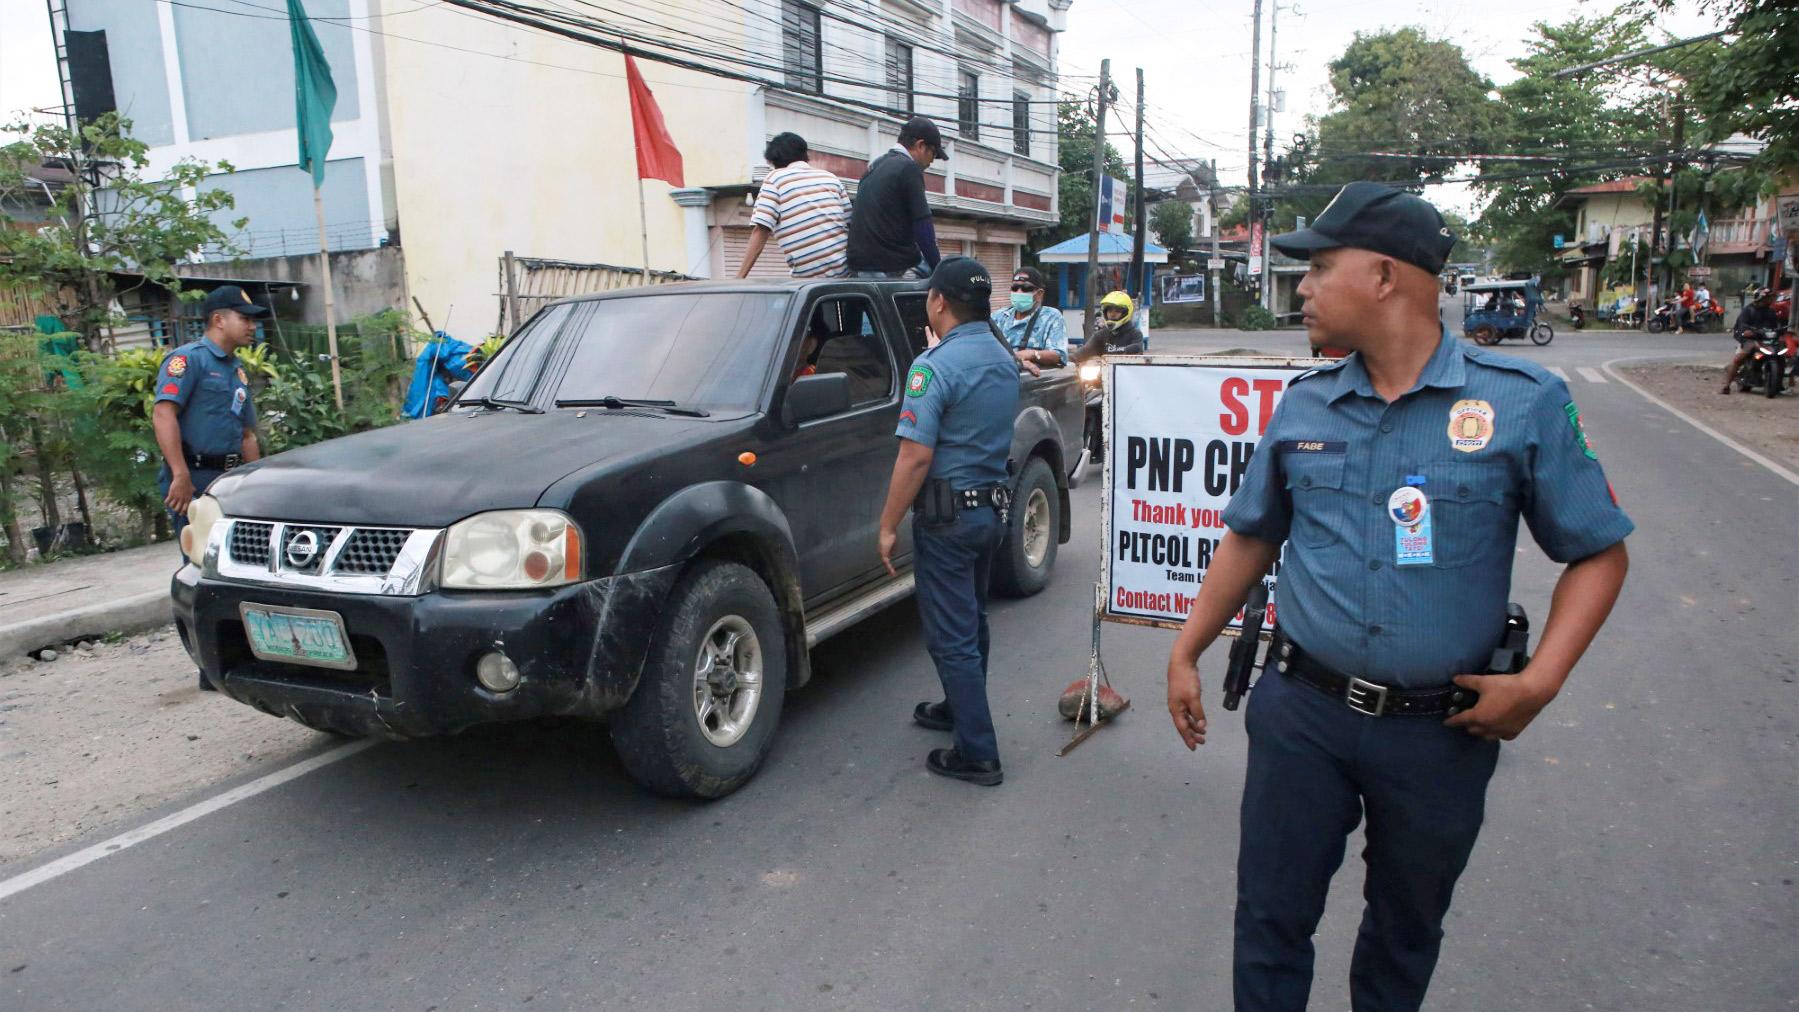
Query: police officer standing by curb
[[955, 431], [1396, 477], [204, 416]]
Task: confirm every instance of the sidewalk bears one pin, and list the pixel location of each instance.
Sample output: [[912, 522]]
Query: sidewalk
[[46, 605]]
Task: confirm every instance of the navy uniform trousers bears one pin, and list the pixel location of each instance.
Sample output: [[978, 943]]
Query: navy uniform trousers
[[1316, 769], [203, 479], [953, 564]]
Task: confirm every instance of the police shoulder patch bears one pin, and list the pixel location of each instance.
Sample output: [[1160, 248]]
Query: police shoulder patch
[[919, 380], [177, 365], [1580, 432]]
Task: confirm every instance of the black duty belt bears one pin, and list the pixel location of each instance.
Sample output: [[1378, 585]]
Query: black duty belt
[[997, 496], [214, 461], [1363, 696]]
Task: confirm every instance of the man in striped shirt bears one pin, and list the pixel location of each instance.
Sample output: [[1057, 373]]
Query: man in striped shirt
[[805, 209]]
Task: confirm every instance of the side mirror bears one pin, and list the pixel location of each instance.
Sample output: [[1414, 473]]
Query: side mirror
[[818, 396]]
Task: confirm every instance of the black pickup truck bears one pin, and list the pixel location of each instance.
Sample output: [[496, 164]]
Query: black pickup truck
[[645, 508]]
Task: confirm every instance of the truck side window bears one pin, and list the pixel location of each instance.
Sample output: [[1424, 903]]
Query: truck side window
[[852, 347], [913, 319]]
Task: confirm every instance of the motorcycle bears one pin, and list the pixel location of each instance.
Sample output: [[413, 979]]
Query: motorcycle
[[1768, 364], [1665, 317], [1576, 315], [1093, 389]]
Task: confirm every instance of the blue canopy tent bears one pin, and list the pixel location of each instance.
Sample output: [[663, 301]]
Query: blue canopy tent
[[1070, 258]]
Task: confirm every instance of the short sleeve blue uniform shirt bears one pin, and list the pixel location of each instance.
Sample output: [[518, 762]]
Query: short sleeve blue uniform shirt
[[210, 388], [961, 400], [1487, 438]]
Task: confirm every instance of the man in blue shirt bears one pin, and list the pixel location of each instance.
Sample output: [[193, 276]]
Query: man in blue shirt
[[1034, 330], [1396, 477], [955, 430], [204, 416]]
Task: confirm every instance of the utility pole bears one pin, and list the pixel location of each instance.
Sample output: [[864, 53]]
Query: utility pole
[[1655, 228], [1255, 93], [1139, 238], [1099, 178], [1217, 254], [1274, 17]]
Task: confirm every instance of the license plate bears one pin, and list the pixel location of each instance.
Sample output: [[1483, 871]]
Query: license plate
[[297, 636]]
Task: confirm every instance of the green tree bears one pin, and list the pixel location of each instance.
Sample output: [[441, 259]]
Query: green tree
[[1074, 148], [1588, 122], [1403, 105], [108, 220], [1172, 223], [1751, 85]]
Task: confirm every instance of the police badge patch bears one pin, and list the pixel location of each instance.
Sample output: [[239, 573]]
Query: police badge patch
[[918, 381], [177, 365], [1470, 425], [1580, 436]]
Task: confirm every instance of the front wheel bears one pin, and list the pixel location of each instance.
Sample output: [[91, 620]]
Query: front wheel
[[1028, 552], [705, 710], [1657, 325], [1542, 333], [1772, 375]]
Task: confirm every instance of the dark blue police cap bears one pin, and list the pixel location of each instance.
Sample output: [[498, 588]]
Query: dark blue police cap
[[234, 298], [1378, 218], [961, 279]]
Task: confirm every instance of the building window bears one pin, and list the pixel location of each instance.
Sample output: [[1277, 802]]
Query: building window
[[899, 75], [801, 55], [968, 105], [1021, 123]]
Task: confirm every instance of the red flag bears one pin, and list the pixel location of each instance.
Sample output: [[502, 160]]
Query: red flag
[[657, 157]]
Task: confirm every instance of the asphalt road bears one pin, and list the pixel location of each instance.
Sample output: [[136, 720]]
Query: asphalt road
[[1639, 854]]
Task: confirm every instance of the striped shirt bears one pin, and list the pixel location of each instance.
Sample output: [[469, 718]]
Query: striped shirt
[[808, 212]]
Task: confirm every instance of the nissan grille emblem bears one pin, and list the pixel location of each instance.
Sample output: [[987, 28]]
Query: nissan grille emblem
[[301, 550]]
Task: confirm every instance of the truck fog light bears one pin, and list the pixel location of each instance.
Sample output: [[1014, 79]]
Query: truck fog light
[[496, 672]]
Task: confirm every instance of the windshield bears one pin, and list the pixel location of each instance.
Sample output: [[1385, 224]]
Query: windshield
[[709, 350]]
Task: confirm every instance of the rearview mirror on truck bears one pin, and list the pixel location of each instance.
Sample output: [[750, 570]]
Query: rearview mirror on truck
[[816, 397]]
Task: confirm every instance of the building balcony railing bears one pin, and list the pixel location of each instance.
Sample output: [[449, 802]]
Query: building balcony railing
[[1740, 235]]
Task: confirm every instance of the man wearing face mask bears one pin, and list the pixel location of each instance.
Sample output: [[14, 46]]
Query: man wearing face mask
[[1034, 330]]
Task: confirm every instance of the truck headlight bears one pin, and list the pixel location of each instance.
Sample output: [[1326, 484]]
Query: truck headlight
[[1091, 372], [512, 550], [202, 513]]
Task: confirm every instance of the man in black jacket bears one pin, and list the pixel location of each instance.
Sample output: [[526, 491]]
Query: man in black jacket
[[890, 226], [1117, 333]]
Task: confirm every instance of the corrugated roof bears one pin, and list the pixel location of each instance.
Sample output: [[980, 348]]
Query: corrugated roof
[[1626, 185]]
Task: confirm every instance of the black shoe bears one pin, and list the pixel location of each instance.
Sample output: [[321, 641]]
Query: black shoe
[[947, 762], [205, 686], [933, 715]]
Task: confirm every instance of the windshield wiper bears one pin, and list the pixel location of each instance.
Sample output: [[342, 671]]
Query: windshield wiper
[[620, 403], [494, 402]]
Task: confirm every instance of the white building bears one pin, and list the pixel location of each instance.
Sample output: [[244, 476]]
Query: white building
[[459, 137]]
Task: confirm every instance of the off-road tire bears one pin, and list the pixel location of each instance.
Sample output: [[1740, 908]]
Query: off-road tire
[[1013, 574], [657, 734]]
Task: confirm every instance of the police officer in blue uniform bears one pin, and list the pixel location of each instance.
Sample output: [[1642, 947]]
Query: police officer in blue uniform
[[1396, 477], [204, 415], [955, 431]]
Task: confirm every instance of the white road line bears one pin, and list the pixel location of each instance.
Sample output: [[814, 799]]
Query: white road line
[[1560, 373], [1590, 374], [1696, 423], [64, 865]]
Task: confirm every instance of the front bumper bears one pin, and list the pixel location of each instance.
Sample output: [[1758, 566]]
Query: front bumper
[[579, 650]]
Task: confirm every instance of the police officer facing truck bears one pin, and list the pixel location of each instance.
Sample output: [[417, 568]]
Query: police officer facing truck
[[1396, 478], [204, 417], [955, 430]]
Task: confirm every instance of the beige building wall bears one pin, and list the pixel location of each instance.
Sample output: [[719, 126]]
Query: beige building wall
[[532, 153]]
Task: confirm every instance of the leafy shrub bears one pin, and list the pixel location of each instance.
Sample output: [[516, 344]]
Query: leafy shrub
[[1254, 317]]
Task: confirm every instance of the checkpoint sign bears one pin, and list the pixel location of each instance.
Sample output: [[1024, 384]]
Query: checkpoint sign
[[1181, 432]]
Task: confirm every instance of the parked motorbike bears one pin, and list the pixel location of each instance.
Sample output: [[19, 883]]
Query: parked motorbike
[[1576, 315], [1707, 316], [1768, 364]]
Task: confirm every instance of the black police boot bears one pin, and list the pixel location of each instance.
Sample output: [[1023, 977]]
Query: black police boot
[[933, 715], [947, 762]]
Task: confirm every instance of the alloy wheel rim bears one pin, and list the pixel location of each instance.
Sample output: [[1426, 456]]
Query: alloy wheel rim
[[727, 681]]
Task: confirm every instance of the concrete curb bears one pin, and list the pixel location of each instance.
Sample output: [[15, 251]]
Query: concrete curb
[[130, 614]]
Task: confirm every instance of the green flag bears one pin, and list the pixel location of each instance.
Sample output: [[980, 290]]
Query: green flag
[[315, 94]]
